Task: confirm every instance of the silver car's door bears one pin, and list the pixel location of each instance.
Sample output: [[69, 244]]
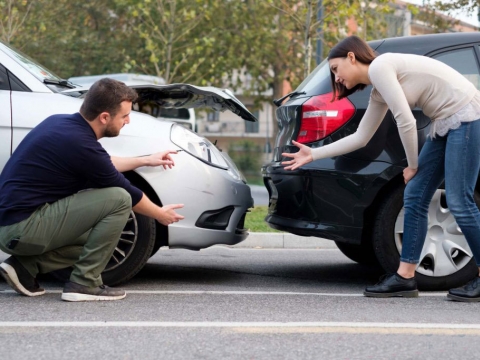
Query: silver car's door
[[190, 96], [5, 117]]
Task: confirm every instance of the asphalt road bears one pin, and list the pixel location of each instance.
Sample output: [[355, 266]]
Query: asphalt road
[[224, 303]]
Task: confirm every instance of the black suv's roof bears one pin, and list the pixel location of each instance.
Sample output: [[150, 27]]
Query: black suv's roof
[[423, 44]]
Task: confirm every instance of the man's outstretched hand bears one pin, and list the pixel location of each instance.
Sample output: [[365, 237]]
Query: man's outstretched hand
[[168, 215], [161, 159]]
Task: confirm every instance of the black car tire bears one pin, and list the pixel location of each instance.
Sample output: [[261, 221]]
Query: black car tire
[[362, 254], [144, 241], [161, 238], [389, 257]]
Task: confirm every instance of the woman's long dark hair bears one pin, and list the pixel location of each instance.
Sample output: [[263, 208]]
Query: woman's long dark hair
[[363, 53]]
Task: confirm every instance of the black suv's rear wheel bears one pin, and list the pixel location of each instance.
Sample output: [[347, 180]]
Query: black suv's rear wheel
[[132, 251], [446, 260]]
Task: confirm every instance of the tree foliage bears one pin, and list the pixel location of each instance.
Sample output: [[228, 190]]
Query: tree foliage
[[258, 46], [12, 18], [176, 36], [74, 38]]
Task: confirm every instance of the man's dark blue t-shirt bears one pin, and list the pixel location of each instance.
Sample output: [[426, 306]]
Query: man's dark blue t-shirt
[[57, 159]]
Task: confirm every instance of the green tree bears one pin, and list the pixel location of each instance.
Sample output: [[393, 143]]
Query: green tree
[[255, 45], [273, 38], [176, 37], [12, 17], [70, 37], [434, 15], [471, 6]]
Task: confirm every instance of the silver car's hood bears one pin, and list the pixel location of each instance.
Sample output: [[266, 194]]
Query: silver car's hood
[[190, 96]]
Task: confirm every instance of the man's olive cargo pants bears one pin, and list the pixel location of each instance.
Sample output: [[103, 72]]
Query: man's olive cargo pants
[[81, 230]]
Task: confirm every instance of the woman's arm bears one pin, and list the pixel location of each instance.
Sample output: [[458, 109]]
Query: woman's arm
[[369, 124]]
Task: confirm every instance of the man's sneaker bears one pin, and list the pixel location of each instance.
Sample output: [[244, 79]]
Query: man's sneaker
[[391, 285], [19, 278], [468, 293], [76, 292]]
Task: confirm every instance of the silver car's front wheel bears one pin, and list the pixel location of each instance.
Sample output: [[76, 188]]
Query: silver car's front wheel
[[132, 251], [445, 250], [445, 261], [126, 244]]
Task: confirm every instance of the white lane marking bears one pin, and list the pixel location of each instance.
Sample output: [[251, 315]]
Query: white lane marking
[[219, 324], [201, 292]]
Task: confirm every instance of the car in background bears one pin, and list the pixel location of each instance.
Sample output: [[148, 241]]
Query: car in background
[[204, 179], [356, 199], [182, 116]]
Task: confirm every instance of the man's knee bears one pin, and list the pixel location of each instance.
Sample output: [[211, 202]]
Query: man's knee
[[121, 196]]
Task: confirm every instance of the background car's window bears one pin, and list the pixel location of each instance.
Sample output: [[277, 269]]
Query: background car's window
[[464, 61], [4, 84], [181, 114]]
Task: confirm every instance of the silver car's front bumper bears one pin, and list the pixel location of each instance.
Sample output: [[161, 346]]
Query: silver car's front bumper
[[215, 204]]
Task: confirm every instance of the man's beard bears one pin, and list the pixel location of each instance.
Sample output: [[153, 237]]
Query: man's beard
[[111, 132]]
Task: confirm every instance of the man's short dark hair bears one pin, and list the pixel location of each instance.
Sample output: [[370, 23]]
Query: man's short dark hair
[[106, 95]]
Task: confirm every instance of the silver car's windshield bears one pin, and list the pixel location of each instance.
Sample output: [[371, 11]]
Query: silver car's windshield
[[37, 70]]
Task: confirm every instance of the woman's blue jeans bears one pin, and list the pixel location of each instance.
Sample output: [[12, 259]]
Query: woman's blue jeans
[[454, 157]]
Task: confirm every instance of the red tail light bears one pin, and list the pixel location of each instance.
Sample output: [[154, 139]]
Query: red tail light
[[320, 117]]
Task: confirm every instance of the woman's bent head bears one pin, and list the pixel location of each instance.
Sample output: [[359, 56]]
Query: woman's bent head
[[343, 58]]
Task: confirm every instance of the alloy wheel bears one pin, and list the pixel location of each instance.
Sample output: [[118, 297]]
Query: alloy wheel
[[126, 243], [446, 250]]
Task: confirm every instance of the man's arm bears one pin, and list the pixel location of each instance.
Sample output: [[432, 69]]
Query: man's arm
[[163, 158], [165, 215]]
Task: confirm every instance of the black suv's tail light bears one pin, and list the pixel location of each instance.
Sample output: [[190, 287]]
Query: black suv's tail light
[[320, 117]]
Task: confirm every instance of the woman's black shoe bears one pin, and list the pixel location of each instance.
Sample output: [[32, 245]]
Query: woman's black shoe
[[391, 285], [467, 293]]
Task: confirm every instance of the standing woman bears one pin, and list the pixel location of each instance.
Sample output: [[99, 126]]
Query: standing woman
[[401, 82]]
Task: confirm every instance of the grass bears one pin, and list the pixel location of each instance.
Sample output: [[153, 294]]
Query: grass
[[255, 180], [255, 220]]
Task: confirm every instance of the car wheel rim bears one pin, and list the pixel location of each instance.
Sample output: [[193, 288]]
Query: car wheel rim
[[445, 250], [126, 243]]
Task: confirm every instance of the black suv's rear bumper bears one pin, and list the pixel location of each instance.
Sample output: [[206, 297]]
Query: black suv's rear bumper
[[322, 201]]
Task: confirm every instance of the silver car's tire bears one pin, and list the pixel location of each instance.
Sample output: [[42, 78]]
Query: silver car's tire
[[446, 260], [132, 251]]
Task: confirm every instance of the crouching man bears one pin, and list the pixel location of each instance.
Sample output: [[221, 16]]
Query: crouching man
[[47, 222]]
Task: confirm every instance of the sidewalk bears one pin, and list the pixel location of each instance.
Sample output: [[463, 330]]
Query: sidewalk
[[284, 241]]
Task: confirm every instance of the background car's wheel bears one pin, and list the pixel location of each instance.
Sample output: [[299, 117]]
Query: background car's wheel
[[132, 251], [446, 260], [362, 254]]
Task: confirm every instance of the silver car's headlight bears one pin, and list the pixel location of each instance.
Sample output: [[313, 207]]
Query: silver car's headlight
[[203, 150]]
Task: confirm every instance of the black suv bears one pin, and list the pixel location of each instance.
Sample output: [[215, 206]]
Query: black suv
[[357, 199]]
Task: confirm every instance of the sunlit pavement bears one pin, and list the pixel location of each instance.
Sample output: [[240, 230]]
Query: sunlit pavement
[[240, 303]]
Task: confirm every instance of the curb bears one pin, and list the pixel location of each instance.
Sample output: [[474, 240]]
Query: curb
[[284, 241]]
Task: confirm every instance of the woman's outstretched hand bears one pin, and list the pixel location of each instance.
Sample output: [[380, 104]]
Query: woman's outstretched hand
[[300, 158]]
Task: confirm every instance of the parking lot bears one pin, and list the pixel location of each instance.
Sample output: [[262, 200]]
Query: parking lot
[[240, 303]]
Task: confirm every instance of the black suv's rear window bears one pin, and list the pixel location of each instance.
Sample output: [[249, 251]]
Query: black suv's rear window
[[318, 82]]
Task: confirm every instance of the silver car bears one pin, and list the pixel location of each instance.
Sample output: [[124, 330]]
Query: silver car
[[214, 192]]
